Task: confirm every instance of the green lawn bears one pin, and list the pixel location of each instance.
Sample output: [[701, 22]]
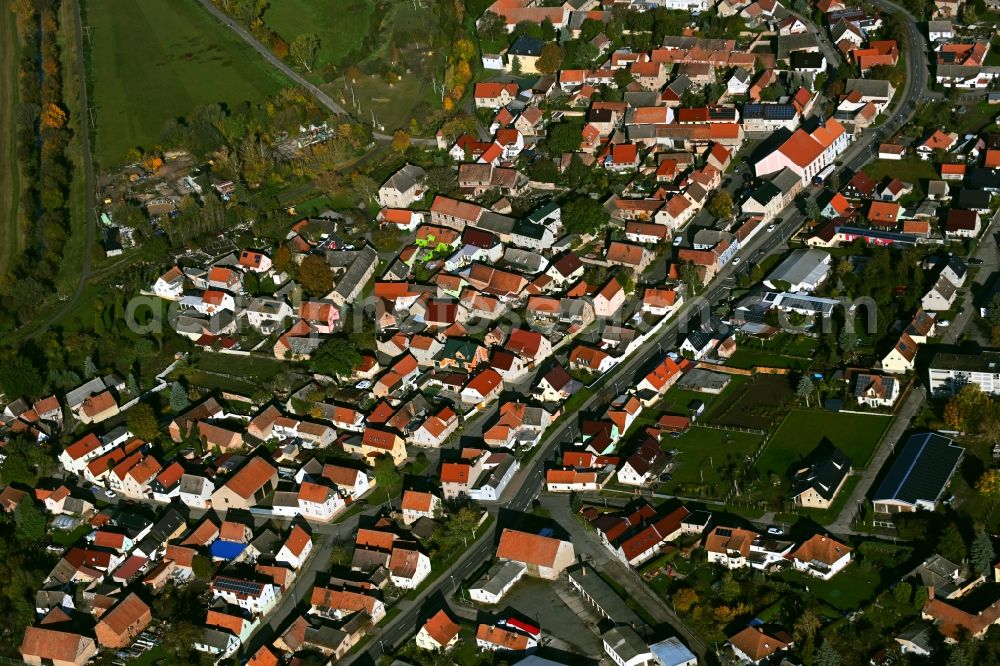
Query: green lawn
[[159, 59], [911, 170], [749, 357], [341, 25], [706, 460], [804, 430], [64, 538], [848, 590]]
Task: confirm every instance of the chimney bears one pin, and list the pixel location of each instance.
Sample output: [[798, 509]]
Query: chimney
[[930, 592]]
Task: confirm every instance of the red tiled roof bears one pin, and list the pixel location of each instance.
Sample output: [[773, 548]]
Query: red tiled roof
[[528, 548]]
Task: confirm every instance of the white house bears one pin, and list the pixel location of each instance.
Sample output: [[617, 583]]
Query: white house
[[258, 598], [497, 582], [196, 491], [739, 82], [439, 633], [807, 153], [403, 187], [626, 648], [876, 390], [170, 285], [295, 551], [408, 568], [821, 556], [417, 505]]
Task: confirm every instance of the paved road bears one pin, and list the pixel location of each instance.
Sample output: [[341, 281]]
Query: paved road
[[589, 547], [274, 60], [914, 400]]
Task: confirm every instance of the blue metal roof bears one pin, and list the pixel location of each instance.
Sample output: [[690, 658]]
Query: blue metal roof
[[226, 550]]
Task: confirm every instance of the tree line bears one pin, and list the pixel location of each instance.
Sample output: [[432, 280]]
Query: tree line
[[43, 135]]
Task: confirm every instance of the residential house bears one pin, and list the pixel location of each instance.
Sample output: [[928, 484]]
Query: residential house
[[544, 557], [821, 556]]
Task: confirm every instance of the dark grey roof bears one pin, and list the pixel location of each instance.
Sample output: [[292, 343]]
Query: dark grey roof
[[985, 361], [922, 470], [526, 46], [805, 60], [825, 476]]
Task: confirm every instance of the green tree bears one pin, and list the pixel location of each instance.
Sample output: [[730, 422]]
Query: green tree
[[812, 209], [993, 310], [989, 483], [457, 532], [826, 655], [902, 592], [720, 205], [179, 399], [805, 389], [337, 357], [981, 554], [551, 58], [951, 545], [315, 275], [30, 523], [141, 420], [24, 461], [19, 377], [89, 368], [848, 342], [303, 50], [584, 215], [491, 27], [201, 565], [565, 137]]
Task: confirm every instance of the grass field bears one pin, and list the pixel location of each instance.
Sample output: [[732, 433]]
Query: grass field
[[748, 357], [341, 25], [410, 28], [806, 432], [911, 170], [704, 456], [159, 59], [11, 235]]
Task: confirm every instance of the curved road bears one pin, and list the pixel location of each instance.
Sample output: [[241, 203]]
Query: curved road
[[275, 61]]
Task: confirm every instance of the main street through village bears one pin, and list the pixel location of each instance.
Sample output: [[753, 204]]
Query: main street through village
[[525, 489]]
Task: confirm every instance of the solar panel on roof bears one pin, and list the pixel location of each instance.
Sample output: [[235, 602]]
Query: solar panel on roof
[[237, 586], [724, 532], [769, 111]]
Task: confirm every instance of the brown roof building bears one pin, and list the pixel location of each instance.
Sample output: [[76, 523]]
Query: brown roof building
[[119, 626], [544, 557]]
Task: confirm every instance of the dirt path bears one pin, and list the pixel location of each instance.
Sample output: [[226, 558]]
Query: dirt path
[[11, 234]]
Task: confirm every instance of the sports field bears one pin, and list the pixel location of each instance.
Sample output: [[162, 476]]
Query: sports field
[[341, 25], [151, 60]]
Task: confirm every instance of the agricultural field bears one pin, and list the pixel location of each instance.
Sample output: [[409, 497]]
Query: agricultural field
[[341, 25], [806, 433], [760, 403], [159, 59]]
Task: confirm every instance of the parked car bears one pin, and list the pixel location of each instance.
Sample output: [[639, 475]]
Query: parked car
[[770, 228], [110, 494], [736, 261], [775, 531], [975, 262]]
